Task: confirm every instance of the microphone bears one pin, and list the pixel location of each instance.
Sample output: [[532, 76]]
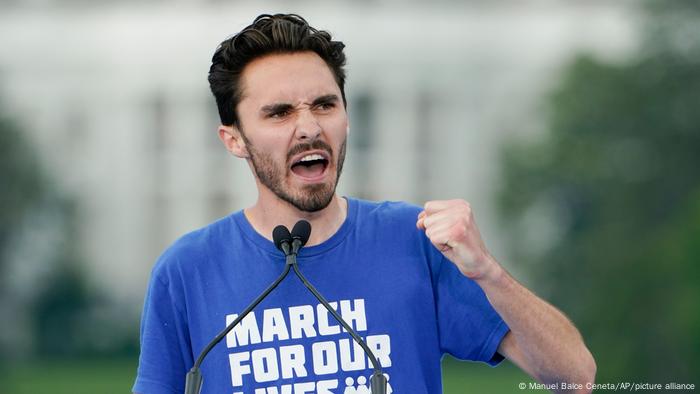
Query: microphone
[[282, 239], [300, 235]]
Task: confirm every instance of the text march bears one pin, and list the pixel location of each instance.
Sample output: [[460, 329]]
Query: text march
[[309, 370]]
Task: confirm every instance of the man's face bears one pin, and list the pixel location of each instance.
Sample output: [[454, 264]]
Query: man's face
[[294, 127]]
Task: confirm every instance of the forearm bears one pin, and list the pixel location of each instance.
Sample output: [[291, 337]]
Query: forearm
[[550, 346], [542, 341]]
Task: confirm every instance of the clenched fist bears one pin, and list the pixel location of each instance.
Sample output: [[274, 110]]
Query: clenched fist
[[450, 226]]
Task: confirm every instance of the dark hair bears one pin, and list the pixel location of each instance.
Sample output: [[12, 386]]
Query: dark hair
[[268, 34]]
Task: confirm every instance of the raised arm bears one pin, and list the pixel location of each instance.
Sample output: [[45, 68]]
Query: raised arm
[[542, 341]]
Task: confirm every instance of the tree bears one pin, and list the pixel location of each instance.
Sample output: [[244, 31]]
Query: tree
[[22, 182], [21, 192], [606, 205], [56, 305]]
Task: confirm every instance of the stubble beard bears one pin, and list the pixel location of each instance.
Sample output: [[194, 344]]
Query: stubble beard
[[310, 198]]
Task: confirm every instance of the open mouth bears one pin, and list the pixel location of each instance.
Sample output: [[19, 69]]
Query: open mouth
[[310, 166]]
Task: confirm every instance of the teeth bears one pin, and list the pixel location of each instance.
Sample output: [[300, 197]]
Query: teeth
[[315, 156]]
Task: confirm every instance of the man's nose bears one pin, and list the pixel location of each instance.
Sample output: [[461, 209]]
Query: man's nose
[[307, 127]]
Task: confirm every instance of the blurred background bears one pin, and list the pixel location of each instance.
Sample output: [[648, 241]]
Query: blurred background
[[572, 127]]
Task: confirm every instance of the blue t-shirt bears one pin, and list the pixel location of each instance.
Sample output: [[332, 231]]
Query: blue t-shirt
[[379, 271]]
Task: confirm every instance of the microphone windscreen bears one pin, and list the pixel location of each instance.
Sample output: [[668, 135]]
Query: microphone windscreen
[[281, 234], [302, 231]]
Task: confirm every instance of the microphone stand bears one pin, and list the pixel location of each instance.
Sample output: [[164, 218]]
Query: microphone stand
[[378, 380]]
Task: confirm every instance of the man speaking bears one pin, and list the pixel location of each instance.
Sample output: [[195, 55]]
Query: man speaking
[[414, 283]]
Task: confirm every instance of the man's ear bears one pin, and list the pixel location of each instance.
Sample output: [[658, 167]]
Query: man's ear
[[233, 141]]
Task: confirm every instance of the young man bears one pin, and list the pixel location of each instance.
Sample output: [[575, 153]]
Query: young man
[[415, 283]]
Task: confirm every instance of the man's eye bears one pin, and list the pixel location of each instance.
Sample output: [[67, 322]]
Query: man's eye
[[326, 106], [279, 114]]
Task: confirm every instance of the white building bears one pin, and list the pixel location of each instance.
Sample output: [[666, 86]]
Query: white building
[[116, 99]]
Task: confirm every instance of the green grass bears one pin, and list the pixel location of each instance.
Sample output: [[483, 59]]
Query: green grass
[[117, 376], [71, 377]]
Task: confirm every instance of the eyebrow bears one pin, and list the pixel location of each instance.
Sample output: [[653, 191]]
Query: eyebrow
[[275, 108], [281, 107], [327, 98]]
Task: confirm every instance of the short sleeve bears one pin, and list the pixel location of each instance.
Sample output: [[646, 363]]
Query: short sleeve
[[469, 327], [165, 345]]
